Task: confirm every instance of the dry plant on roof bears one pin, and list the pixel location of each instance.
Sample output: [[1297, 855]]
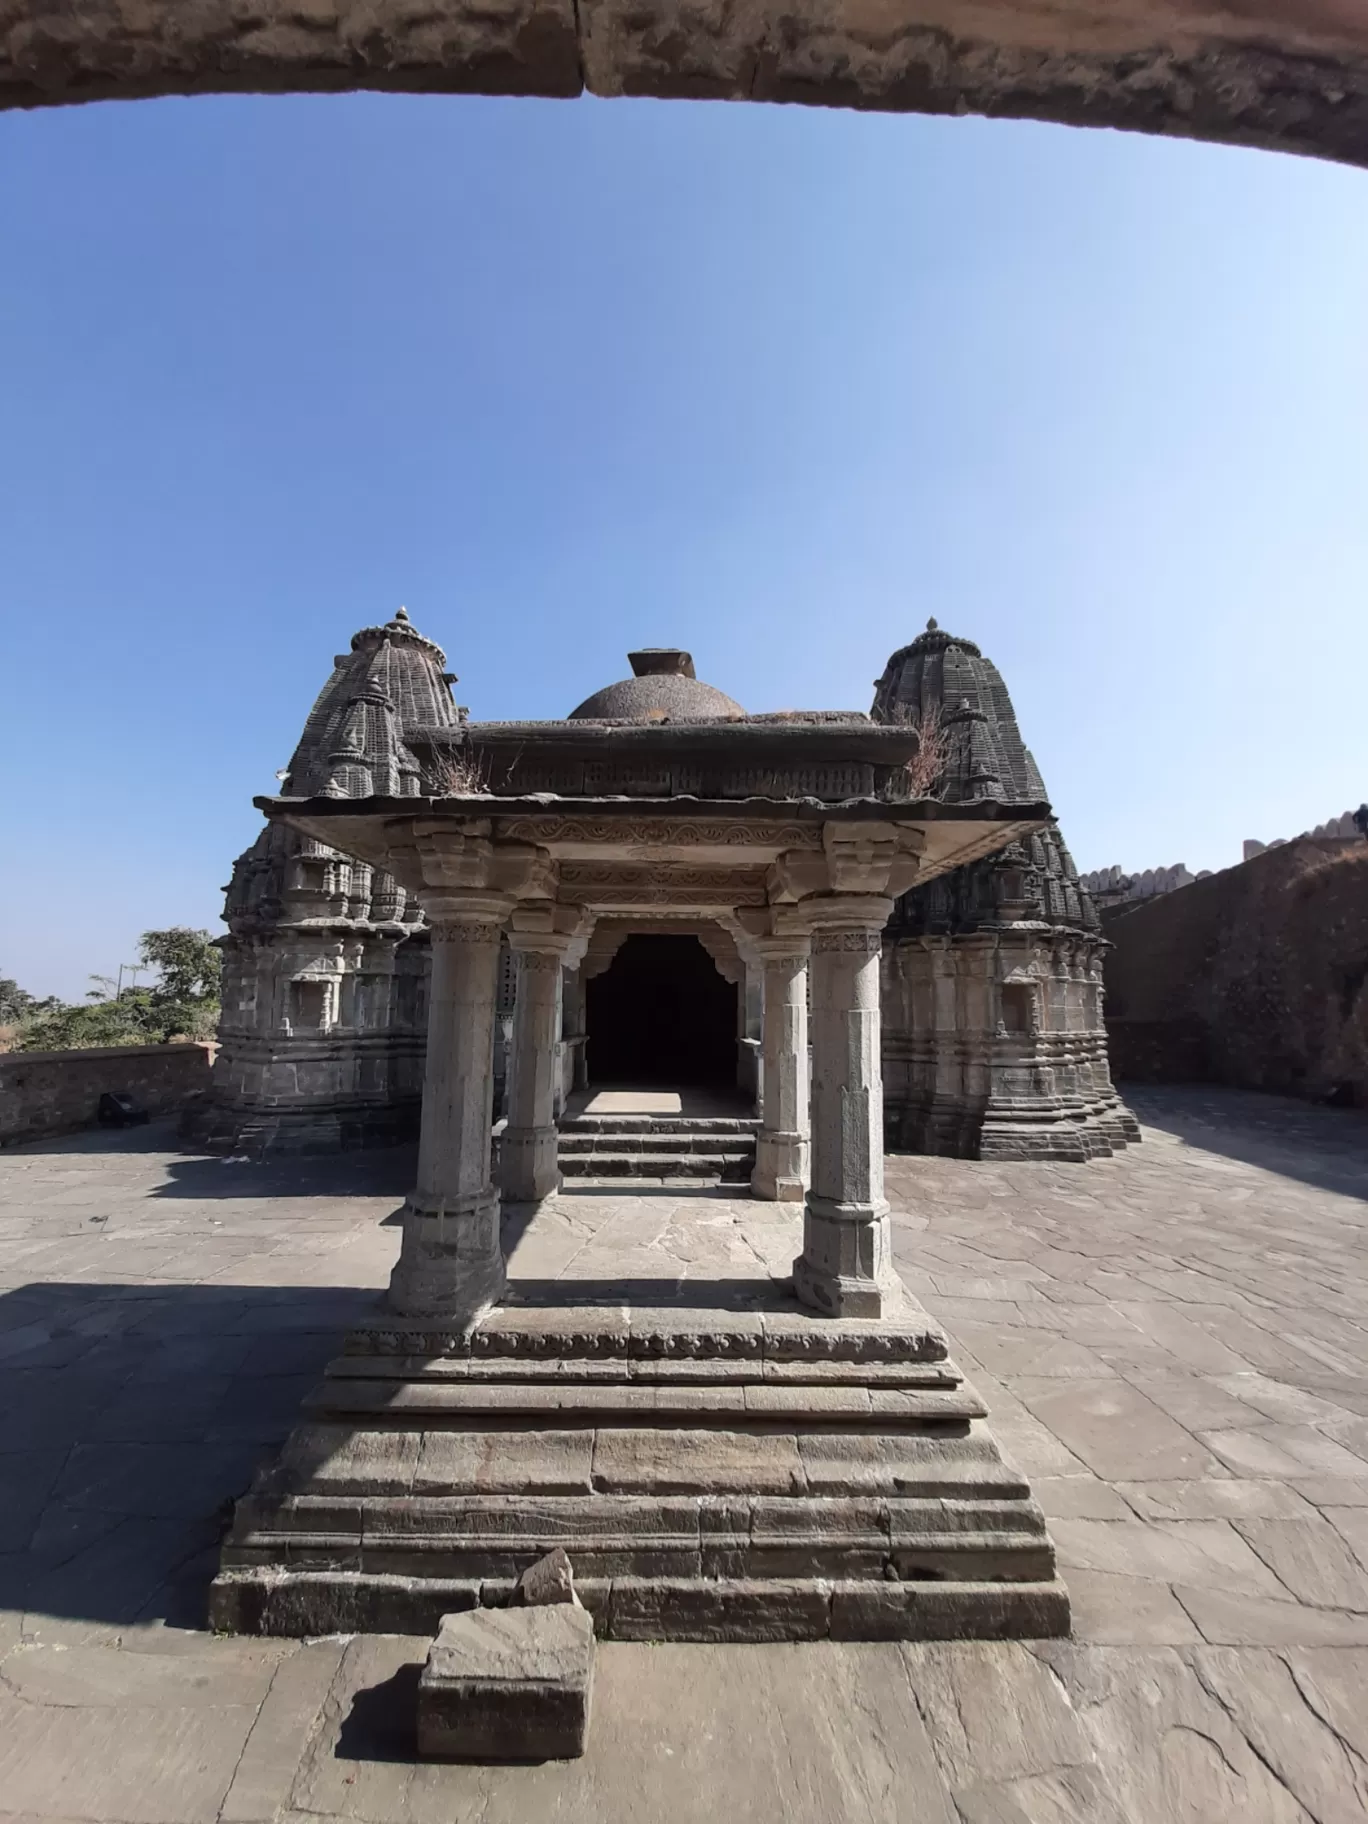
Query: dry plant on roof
[[459, 775], [926, 769]]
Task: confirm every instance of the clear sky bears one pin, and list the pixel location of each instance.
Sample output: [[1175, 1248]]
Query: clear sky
[[563, 378]]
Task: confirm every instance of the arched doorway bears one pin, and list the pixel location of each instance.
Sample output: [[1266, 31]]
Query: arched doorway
[[661, 1016]]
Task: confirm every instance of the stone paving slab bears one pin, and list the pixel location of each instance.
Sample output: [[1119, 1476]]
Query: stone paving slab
[[1172, 1343]]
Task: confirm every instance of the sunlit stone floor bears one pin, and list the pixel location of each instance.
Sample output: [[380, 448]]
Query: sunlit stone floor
[[1174, 1344]]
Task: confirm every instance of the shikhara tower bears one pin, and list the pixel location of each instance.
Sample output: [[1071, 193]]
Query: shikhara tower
[[326, 959], [993, 1041]]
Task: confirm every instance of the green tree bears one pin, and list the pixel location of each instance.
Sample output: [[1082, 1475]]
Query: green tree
[[187, 962], [16, 1003], [183, 1001], [185, 996]]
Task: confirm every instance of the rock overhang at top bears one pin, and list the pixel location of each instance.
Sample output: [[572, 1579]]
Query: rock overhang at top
[[1288, 74]]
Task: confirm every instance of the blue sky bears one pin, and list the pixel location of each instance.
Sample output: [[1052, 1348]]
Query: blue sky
[[563, 378]]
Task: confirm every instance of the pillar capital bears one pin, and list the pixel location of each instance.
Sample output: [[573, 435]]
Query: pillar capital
[[828, 914], [559, 933], [466, 917]]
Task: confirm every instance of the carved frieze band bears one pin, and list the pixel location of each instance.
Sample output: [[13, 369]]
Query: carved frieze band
[[539, 962], [482, 933], [892, 1347], [859, 943], [660, 832]]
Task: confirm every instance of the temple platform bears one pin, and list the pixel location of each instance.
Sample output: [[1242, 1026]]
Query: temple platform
[[719, 1463]]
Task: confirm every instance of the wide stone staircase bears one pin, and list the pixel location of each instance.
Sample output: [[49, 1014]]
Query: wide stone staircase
[[702, 1149], [726, 1467]]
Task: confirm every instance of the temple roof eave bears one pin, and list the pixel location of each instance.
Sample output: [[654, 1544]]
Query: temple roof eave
[[741, 832], [750, 739]]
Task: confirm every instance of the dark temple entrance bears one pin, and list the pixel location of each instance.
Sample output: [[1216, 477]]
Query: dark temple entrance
[[660, 1015]]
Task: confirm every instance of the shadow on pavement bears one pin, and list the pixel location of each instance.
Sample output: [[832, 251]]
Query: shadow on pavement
[[131, 1418], [1324, 1147]]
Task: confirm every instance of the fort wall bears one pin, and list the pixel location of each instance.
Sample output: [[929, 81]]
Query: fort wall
[[58, 1092], [1256, 976]]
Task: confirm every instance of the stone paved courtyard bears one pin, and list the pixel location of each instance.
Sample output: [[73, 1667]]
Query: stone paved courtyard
[[1173, 1343]]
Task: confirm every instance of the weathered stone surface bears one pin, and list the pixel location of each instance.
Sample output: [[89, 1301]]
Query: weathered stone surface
[[1186, 1551], [696, 1462], [1212, 1498], [1119, 1433], [1169, 1747], [1111, 1609], [1311, 1558], [1229, 1620], [264, 1777], [550, 1579], [720, 1609], [541, 1462], [1298, 80], [949, 1611], [1003, 1728], [508, 1684]]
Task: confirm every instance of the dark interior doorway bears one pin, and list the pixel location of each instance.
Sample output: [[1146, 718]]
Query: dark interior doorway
[[661, 1016]]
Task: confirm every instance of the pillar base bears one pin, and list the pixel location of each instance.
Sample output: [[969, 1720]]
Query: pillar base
[[781, 1168], [846, 1266], [529, 1163], [450, 1264]]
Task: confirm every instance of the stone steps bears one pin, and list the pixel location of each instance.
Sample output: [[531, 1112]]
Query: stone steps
[[698, 1168], [703, 1149], [698, 1497]]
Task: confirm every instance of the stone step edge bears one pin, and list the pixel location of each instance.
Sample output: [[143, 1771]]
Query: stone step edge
[[294, 1604], [656, 1165], [649, 1371], [659, 1124], [760, 1408], [653, 1146]]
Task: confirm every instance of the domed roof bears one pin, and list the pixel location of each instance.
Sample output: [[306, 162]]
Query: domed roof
[[663, 688]]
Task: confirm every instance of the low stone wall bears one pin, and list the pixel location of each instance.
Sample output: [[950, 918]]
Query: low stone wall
[[1256, 976], [57, 1092]]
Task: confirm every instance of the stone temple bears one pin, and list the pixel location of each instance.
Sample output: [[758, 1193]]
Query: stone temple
[[659, 939], [993, 1040]]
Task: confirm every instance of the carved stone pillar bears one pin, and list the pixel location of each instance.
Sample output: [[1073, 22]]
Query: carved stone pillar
[[450, 1263], [528, 1164], [846, 1268], [573, 1030], [781, 1151]]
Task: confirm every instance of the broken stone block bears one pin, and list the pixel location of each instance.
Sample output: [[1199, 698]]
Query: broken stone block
[[508, 1685], [550, 1579]]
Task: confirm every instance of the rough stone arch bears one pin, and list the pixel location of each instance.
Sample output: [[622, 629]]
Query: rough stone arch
[[1291, 74]]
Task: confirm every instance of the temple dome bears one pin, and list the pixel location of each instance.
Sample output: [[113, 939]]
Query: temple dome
[[662, 688]]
